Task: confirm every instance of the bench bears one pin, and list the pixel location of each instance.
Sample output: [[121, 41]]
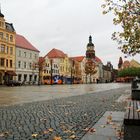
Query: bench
[[132, 114], [132, 121]]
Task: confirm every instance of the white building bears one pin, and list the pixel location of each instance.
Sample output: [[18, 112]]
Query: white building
[[27, 57]]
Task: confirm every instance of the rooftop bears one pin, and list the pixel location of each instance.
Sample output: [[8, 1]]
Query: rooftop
[[22, 42], [55, 53]]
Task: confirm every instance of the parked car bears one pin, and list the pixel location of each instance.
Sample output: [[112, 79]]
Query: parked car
[[13, 83]]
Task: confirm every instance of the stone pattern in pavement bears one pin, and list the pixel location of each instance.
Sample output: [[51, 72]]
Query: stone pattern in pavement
[[66, 117]]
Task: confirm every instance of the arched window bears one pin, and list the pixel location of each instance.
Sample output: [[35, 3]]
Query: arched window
[[11, 38]]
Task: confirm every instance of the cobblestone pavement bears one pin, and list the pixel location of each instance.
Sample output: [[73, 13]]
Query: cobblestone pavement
[[66, 117]]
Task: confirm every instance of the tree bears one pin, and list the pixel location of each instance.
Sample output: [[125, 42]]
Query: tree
[[127, 14], [40, 66], [132, 72]]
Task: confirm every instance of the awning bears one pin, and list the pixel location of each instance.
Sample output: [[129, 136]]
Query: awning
[[11, 73]]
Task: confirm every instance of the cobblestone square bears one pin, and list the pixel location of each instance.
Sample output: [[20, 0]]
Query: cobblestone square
[[58, 116]]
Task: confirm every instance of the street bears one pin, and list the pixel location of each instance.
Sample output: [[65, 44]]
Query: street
[[58, 111]]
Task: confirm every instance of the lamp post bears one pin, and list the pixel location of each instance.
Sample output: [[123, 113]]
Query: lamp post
[[51, 71], [72, 68]]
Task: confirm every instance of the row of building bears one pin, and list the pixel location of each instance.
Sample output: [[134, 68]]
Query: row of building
[[122, 65], [20, 61]]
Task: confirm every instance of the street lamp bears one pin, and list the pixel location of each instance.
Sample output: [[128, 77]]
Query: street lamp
[[72, 78], [51, 72]]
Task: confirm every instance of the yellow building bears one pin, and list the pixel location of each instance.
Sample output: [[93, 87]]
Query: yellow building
[[7, 50]]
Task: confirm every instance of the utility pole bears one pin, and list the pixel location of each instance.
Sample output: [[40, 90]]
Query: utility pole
[[72, 69]]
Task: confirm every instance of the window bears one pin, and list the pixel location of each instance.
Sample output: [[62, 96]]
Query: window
[[2, 62], [24, 54], [30, 55], [19, 53], [35, 78], [19, 64], [7, 49], [25, 77], [11, 38], [30, 66], [44, 71], [11, 64], [1, 24], [1, 35], [11, 50], [19, 77], [35, 56], [6, 62], [2, 48], [47, 64], [25, 65], [7, 37], [30, 77]]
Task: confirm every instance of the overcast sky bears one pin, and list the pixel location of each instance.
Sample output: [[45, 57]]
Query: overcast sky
[[64, 25]]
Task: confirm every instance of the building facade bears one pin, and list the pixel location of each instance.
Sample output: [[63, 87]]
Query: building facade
[[27, 58], [55, 67], [7, 51]]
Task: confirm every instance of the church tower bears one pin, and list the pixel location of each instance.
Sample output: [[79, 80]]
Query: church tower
[[90, 65], [90, 52], [120, 63]]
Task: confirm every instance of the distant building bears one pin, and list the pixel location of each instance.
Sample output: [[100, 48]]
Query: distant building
[[7, 50], [124, 65], [127, 64], [27, 57], [56, 67], [79, 75], [108, 73]]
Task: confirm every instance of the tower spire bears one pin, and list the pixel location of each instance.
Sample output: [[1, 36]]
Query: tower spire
[[90, 39]]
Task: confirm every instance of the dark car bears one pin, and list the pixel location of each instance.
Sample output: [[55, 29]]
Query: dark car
[[13, 83]]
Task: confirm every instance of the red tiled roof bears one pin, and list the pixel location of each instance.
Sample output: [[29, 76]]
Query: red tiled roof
[[126, 64], [22, 42], [55, 53], [97, 59], [78, 58]]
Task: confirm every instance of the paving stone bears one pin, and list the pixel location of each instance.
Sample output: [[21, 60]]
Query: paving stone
[[104, 130], [73, 113]]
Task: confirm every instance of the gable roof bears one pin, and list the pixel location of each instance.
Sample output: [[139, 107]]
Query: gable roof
[[126, 64], [55, 53], [134, 63], [22, 42], [78, 58]]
